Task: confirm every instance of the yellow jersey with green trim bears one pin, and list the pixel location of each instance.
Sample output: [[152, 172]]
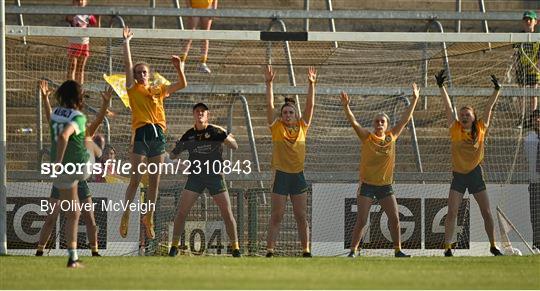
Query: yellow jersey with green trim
[[377, 159], [466, 152], [289, 146], [201, 3], [147, 105]]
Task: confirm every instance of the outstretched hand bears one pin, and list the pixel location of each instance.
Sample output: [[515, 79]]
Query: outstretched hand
[[312, 75], [441, 78], [127, 33], [106, 97], [345, 100], [415, 91], [269, 74], [177, 63], [495, 82], [44, 89]]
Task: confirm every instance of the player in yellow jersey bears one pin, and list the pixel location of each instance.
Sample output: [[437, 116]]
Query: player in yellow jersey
[[148, 125], [288, 155], [377, 170], [467, 136], [203, 22]]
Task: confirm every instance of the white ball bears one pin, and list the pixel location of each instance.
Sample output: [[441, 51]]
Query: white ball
[[512, 251]]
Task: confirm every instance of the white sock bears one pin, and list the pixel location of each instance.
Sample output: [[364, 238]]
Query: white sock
[[72, 253]]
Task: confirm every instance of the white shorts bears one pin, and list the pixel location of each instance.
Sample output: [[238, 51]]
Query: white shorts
[[67, 181]]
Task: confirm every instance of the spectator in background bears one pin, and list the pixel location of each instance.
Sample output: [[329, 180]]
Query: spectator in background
[[526, 59], [531, 147], [203, 23], [79, 47]]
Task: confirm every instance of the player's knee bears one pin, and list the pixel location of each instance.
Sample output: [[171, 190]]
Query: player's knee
[[73, 214], [300, 217], [276, 218], [393, 219], [182, 215], [91, 227], [450, 218], [486, 213], [361, 220]]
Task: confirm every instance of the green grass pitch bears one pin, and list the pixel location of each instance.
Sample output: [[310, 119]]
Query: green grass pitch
[[18, 272]]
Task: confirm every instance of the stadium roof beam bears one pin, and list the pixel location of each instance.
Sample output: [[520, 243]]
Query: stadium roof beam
[[265, 13], [251, 35]]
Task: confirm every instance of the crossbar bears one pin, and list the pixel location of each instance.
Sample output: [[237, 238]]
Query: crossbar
[[251, 35]]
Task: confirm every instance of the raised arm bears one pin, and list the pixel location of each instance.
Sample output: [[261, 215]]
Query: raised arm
[[396, 130], [181, 83], [492, 100], [231, 142], [450, 117], [269, 76], [360, 131], [105, 101], [310, 102], [128, 64], [214, 4], [45, 93]]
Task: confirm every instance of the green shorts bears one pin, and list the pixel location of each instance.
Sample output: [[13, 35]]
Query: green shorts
[[474, 181], [289, 183], [376, 192], [82, 191], [149, 141], [214, 183]]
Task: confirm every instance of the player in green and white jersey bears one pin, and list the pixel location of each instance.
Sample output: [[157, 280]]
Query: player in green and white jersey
[[85, 197], [68, 127]]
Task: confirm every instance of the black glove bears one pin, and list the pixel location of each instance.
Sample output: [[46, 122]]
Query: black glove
[[440, 78], [495, 82]]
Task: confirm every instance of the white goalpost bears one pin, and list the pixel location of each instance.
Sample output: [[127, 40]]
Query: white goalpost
[[376, 69]]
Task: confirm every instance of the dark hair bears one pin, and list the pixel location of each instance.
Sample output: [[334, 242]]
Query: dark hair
[[69, 95], [289, 102], [474, 126]]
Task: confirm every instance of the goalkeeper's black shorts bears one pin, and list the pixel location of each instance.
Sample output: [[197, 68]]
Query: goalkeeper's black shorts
[[473, 181], [289, 183], [376, 192]]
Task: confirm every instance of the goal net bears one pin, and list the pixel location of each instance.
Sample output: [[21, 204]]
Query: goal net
[[378, 77]]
